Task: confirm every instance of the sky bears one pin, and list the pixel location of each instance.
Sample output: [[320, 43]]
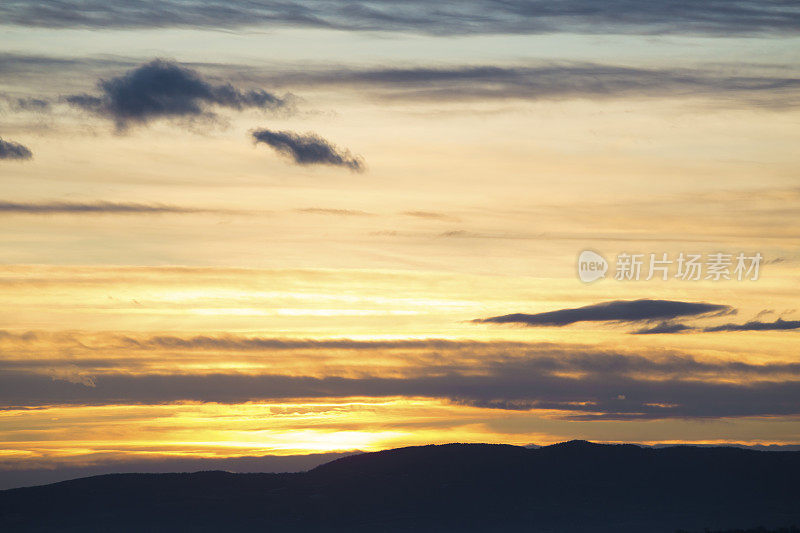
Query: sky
[[232, 230]]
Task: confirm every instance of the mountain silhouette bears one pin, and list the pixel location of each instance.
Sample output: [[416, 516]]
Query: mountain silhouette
[[574, 486]]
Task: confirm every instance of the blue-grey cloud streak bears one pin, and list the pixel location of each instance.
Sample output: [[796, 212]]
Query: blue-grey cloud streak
[[59, 207], [616, 311], [308, 149], [14, 151], [656, 17]]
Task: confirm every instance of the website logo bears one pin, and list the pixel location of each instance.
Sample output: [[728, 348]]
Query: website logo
[[591, 266]]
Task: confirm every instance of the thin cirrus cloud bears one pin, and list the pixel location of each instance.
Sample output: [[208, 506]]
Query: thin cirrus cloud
[[164, 89], [334, 212], [44, 208], [430, 215], [643, 310], [14, 151], [308, 149], [710, 17], [564, 80], [664, 327]]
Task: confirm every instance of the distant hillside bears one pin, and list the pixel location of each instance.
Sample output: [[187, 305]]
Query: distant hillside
[[12, 479], [570, 487]]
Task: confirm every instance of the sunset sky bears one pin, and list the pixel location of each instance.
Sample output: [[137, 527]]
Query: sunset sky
[[235, 229]]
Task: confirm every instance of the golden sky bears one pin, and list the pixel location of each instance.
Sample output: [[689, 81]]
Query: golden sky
[[275, 233]]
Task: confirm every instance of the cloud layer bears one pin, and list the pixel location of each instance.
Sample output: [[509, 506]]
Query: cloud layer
[[710, 17], [616, 311], [164, 89], [308, 149], [15, 151], [577, 381]]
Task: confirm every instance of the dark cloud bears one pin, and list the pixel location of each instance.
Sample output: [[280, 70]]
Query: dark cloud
[[15, 151], [163, 89], [92, 207], [710, 17], [616, 311], [308, 149], [756, 325]]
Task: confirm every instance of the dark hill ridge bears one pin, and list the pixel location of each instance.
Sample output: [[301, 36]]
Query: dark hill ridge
[[569, 487]]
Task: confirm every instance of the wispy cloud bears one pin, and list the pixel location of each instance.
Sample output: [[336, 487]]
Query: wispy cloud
[[42, 208], [432, 215], [710, 17], [616, 311], [36, 105], [557, 81], [335, 212], [164, 89], [308, 149], [14, 151], [664, 327]]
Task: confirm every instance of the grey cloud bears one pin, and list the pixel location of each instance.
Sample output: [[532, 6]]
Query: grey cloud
[[92, 207], [14, 151], [616, 311], [166, 89], [756, 325], [308, 149], [710, 17]]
